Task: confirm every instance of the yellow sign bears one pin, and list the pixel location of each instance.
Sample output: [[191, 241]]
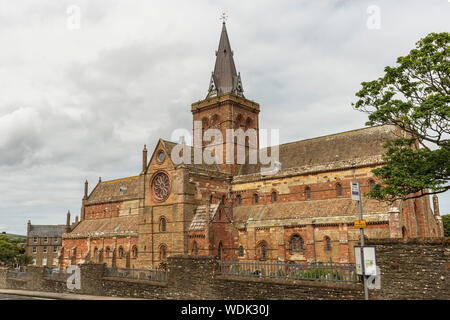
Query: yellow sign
[[360, 223]]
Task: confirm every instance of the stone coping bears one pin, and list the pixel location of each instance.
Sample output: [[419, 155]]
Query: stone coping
[[144, 282]]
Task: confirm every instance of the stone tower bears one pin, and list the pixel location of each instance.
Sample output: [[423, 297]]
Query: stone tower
[[225, 108]]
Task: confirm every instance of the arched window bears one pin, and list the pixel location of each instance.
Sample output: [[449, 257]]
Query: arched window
[[220, 251], [107, 252], [163, 252], [95, 253], [100, 256], [223, 200], [308, 193], [255, 198], [220, 214], [121, 253], [195, 249], [274, 196], [135, 252], [239, 199], [327, 244], [263, 252], [210, 199], [403, 232], [241, 251], [371, 185], [163, 225], [296, 244], [339, 189]]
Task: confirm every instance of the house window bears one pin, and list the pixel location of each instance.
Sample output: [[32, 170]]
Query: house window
[[45, 239], [339, 190], [35, 239], [239, 199], [34, 250], [255, 198], [210, 199], [55, 240], [274, 196], [55, 261], [34, 261], [55, 249], [120, 252], [327, 243], [135, 252], [241, 251], [108, 251], [223, 200], [163, 224], [371, 185], [308, 193], [45, 249], [44, 261]]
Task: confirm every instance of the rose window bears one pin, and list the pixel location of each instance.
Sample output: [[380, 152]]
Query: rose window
[[161, 186]]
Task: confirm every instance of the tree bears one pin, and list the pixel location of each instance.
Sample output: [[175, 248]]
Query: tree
[[415, 97], [446, 222], [10, 253]]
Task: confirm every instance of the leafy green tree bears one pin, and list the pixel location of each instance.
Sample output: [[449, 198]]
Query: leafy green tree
[[415, 97], [11, 253], [446, 222]]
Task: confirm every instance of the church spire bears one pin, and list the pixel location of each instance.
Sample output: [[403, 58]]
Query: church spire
[[225, 79]]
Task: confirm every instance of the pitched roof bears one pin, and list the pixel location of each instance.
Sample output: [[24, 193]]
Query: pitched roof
[[199, 221], [106, 227], [322, 211], [117, 190], [46, 230], [356, 146], [225, 78]]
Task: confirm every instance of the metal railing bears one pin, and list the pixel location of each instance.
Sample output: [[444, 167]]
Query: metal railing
[[138, 274], [56, 274], [333, 272], [16, 274]]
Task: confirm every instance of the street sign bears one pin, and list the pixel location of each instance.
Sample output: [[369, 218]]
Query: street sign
[[354, 187], [360, 223], [368, 267]]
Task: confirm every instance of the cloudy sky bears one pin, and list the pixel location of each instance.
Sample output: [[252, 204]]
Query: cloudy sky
[[79, 101]]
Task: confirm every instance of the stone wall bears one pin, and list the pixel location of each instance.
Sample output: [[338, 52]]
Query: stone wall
[[414, 269]]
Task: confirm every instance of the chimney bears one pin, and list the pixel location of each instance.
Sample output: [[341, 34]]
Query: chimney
[[67, 229], [28, 227], [85, 190], [436, 205], [144, 158], [76, 219]]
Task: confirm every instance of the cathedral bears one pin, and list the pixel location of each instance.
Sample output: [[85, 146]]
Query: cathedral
[[302, 213]]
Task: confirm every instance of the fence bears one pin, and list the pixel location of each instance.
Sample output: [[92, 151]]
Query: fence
[[334, 272], [56, 274], [139, 274], [16, 274]]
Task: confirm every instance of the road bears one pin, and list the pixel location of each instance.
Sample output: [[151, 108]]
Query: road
[[15, 297]]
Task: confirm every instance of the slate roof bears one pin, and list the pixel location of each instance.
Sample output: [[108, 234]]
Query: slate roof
[[111, 190], [199, 221], [106, 227], [358, 146], [51, 231], [322, 211], [225, 78]]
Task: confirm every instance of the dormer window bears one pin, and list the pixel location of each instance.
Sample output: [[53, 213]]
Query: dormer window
[[123, 190]]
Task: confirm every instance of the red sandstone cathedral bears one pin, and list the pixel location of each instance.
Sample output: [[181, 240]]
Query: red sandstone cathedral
[[302, 213]]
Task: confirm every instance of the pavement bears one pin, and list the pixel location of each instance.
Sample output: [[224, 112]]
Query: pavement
[[10, 294]]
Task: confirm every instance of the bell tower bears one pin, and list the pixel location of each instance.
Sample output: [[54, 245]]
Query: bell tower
[[225, 107]]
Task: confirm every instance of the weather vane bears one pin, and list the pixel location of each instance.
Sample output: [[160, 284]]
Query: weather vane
[[224, 17]]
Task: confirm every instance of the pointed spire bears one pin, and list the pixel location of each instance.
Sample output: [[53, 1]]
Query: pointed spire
[[225, 79], [144, 158]]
